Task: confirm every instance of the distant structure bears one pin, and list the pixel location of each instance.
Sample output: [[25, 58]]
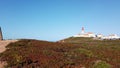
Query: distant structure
[[84, 34], [83, 31], [1, 36], [111, 37], [96, 36]]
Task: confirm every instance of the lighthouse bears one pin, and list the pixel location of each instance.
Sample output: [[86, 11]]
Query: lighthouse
[[1, 37], [83, 31]]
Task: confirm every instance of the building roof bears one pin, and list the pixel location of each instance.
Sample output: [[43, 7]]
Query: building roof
[[89, 32]]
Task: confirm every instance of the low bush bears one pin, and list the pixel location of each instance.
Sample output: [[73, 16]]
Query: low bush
[[43, 54]]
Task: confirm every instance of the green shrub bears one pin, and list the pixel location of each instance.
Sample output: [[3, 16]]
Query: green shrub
[[85, 52], [101, 64]]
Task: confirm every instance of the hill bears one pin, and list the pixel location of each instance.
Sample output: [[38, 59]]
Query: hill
[[73, 53], [78, 40], [3, 44]]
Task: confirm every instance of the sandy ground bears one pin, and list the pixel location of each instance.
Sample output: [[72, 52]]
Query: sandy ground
[[3, 44]]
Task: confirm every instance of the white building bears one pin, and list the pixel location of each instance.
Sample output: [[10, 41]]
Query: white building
[[83, 34], [112, 36], [90, 34], [98, 36]]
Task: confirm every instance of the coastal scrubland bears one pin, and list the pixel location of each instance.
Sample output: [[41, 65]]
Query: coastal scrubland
[[72, 53]]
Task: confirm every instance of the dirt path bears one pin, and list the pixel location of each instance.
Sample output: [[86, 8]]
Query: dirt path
[[3, 44]]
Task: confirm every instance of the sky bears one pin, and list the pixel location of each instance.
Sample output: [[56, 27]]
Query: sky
[[53, 20]]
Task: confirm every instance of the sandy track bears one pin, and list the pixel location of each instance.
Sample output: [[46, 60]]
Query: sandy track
[[3, 44]]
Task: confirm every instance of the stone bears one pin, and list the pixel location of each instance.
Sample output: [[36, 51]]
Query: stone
[[1, 36]]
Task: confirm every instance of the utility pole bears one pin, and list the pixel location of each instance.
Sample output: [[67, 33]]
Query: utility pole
[[1, 36]]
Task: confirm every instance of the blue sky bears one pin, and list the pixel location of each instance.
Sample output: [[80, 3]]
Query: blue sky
[[57, 19]]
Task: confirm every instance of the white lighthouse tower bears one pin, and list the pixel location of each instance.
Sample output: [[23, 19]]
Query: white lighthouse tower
[[83, 31]]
